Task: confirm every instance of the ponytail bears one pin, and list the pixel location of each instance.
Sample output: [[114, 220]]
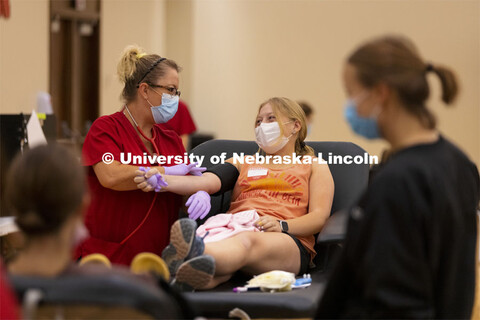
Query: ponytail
[[448, 82], [128, 62], [302, 149]]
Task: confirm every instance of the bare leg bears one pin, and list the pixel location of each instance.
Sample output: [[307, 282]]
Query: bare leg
[[218, 280], [253, 252]]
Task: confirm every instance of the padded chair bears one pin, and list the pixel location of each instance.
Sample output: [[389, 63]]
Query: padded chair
[[350, 182], [93, 297]]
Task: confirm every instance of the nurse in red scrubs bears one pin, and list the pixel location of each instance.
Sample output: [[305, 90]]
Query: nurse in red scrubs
[[123, 220]]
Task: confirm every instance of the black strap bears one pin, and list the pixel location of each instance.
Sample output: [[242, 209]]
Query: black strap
[[228, 175]]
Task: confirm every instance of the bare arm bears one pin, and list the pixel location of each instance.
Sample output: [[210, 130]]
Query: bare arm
[[187, 185], [320, 203], [117, 176]]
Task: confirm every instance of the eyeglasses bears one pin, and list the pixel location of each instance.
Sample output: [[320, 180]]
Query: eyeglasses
[[172, 90]]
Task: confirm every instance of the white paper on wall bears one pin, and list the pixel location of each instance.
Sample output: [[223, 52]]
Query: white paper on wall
[[35, 134]]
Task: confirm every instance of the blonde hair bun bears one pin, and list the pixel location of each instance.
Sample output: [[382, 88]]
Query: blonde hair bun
[[128, 62]]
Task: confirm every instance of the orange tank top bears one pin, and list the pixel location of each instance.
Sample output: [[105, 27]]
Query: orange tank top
[[278, 192]]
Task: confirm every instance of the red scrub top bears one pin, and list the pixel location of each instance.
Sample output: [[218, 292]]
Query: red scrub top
[[182, 123], [8, 300], [114, 215]]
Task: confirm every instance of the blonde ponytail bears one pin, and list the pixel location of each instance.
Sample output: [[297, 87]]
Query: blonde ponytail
[[302, 149], [128, 62]]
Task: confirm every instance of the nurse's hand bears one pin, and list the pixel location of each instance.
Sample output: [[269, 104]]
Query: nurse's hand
[[149, 180], [183, 169]]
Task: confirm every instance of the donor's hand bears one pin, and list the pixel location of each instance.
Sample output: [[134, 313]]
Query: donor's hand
[[268, 224], [198, 205]]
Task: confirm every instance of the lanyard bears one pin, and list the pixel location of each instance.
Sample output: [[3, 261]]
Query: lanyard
[[152, 140]]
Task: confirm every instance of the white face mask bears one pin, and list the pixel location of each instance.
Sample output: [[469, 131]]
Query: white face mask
[[268, 137]]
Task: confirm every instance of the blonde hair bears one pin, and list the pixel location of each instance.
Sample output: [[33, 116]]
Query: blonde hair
[[136, 66], [293, 111]]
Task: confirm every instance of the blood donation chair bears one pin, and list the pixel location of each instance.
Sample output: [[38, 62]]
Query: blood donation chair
[[350, 182], [95, 297]]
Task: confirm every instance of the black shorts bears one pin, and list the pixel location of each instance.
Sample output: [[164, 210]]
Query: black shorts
[[304, 256]]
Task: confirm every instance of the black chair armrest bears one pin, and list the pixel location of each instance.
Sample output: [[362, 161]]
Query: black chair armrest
[[101, 290], [334, 229]]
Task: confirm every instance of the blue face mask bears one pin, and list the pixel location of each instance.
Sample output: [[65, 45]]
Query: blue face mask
[[164, 112], [366, 127]]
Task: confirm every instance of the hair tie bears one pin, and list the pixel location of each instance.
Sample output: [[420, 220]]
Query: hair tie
[[429, 67], [141, 55]]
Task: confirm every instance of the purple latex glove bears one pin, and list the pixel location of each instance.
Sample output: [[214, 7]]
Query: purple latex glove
[[156, 181], [183, 169], [198, 205]]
